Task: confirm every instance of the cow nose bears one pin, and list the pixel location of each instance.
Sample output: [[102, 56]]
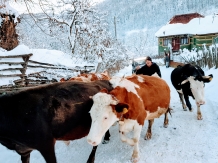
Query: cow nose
[[91, 142]]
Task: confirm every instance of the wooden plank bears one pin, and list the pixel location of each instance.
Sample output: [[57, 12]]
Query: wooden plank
[[77, 68], [13, 63], [41, 63], [12, 75], [11, 69], [17, 56], [63, 68]]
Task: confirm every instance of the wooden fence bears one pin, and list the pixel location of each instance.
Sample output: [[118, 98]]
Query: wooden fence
[[205, 58], [17, 65], [14, 66]]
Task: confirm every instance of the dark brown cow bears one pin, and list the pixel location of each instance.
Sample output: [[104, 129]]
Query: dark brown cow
[[37, 117]]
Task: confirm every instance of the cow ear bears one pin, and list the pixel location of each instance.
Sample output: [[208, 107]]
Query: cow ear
[[122, 108], [104, 90], [207, 79]]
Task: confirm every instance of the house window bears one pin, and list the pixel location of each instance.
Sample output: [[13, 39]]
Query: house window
[[166, 41], [184, 40]]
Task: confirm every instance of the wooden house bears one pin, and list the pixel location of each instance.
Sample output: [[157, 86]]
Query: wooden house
[[190, 31]]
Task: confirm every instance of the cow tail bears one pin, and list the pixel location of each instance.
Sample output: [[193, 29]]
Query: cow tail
[[169, 111]]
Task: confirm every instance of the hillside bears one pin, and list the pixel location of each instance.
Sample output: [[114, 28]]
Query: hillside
[[137, 21]]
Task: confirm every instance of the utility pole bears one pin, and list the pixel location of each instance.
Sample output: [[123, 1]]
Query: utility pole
[[115, 28]]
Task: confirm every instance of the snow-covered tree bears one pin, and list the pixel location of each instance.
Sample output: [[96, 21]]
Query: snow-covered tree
[[75, 27]]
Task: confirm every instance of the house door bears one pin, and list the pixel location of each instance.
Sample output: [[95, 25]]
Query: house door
[[176, 43]]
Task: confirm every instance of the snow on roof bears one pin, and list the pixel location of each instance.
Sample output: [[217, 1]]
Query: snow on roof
[[197, 26]]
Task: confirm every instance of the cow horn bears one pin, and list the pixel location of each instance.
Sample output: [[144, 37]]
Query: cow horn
[[184, 81], [207, 77], [114, 100]]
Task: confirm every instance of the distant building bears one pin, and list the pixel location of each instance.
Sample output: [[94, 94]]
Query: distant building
[[187, 31]]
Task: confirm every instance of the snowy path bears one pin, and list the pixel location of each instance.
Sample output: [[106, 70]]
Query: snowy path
[[186, 140]]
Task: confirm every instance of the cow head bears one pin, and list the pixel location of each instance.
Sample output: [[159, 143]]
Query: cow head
[[106, 110], [197, 87]]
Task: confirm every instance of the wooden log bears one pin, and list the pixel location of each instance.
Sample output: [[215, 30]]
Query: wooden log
[[41, 63], [17, 56], [12, 75], [11, 69], [12, 63], [52, 67]]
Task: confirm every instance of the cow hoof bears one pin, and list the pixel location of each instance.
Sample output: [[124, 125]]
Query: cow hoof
[[191, 110], [135, 158], [105, 142], [165, 125], [148, 136], [200, 118], [185, 109]]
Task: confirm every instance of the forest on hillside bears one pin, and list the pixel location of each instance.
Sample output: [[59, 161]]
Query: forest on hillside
[[137, 21]]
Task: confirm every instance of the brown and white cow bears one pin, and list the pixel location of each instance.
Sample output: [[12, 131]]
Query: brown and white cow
[[89, 77], [133, 100]]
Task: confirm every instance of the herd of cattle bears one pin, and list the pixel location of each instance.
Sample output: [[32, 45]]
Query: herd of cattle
[[88, 105]]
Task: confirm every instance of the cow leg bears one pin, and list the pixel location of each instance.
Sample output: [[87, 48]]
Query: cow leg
[[125, 139], [199, 116], [25, 158], [25, 155], [137, 132], [23, 151], [106, 137], [47, 151], [166, 120], [182, 100], [92, 155], [188, 103], [149, 133]]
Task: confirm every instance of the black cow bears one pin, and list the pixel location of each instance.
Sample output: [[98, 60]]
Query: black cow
[[189, 80], [35, 118]]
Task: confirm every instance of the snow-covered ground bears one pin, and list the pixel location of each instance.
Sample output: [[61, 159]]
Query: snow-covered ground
[[186, 140]]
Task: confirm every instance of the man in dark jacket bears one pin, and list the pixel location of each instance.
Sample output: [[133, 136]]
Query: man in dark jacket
[[149, 68]]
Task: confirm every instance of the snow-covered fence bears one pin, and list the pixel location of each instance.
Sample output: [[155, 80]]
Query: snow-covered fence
[[45, 73], [17, 71], [208, 57], [203, 58], [14, 67]]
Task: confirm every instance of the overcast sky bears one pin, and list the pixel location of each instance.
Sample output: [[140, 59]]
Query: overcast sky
[[21, 7]]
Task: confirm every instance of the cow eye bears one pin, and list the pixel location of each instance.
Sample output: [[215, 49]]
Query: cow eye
[[105, 117]]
